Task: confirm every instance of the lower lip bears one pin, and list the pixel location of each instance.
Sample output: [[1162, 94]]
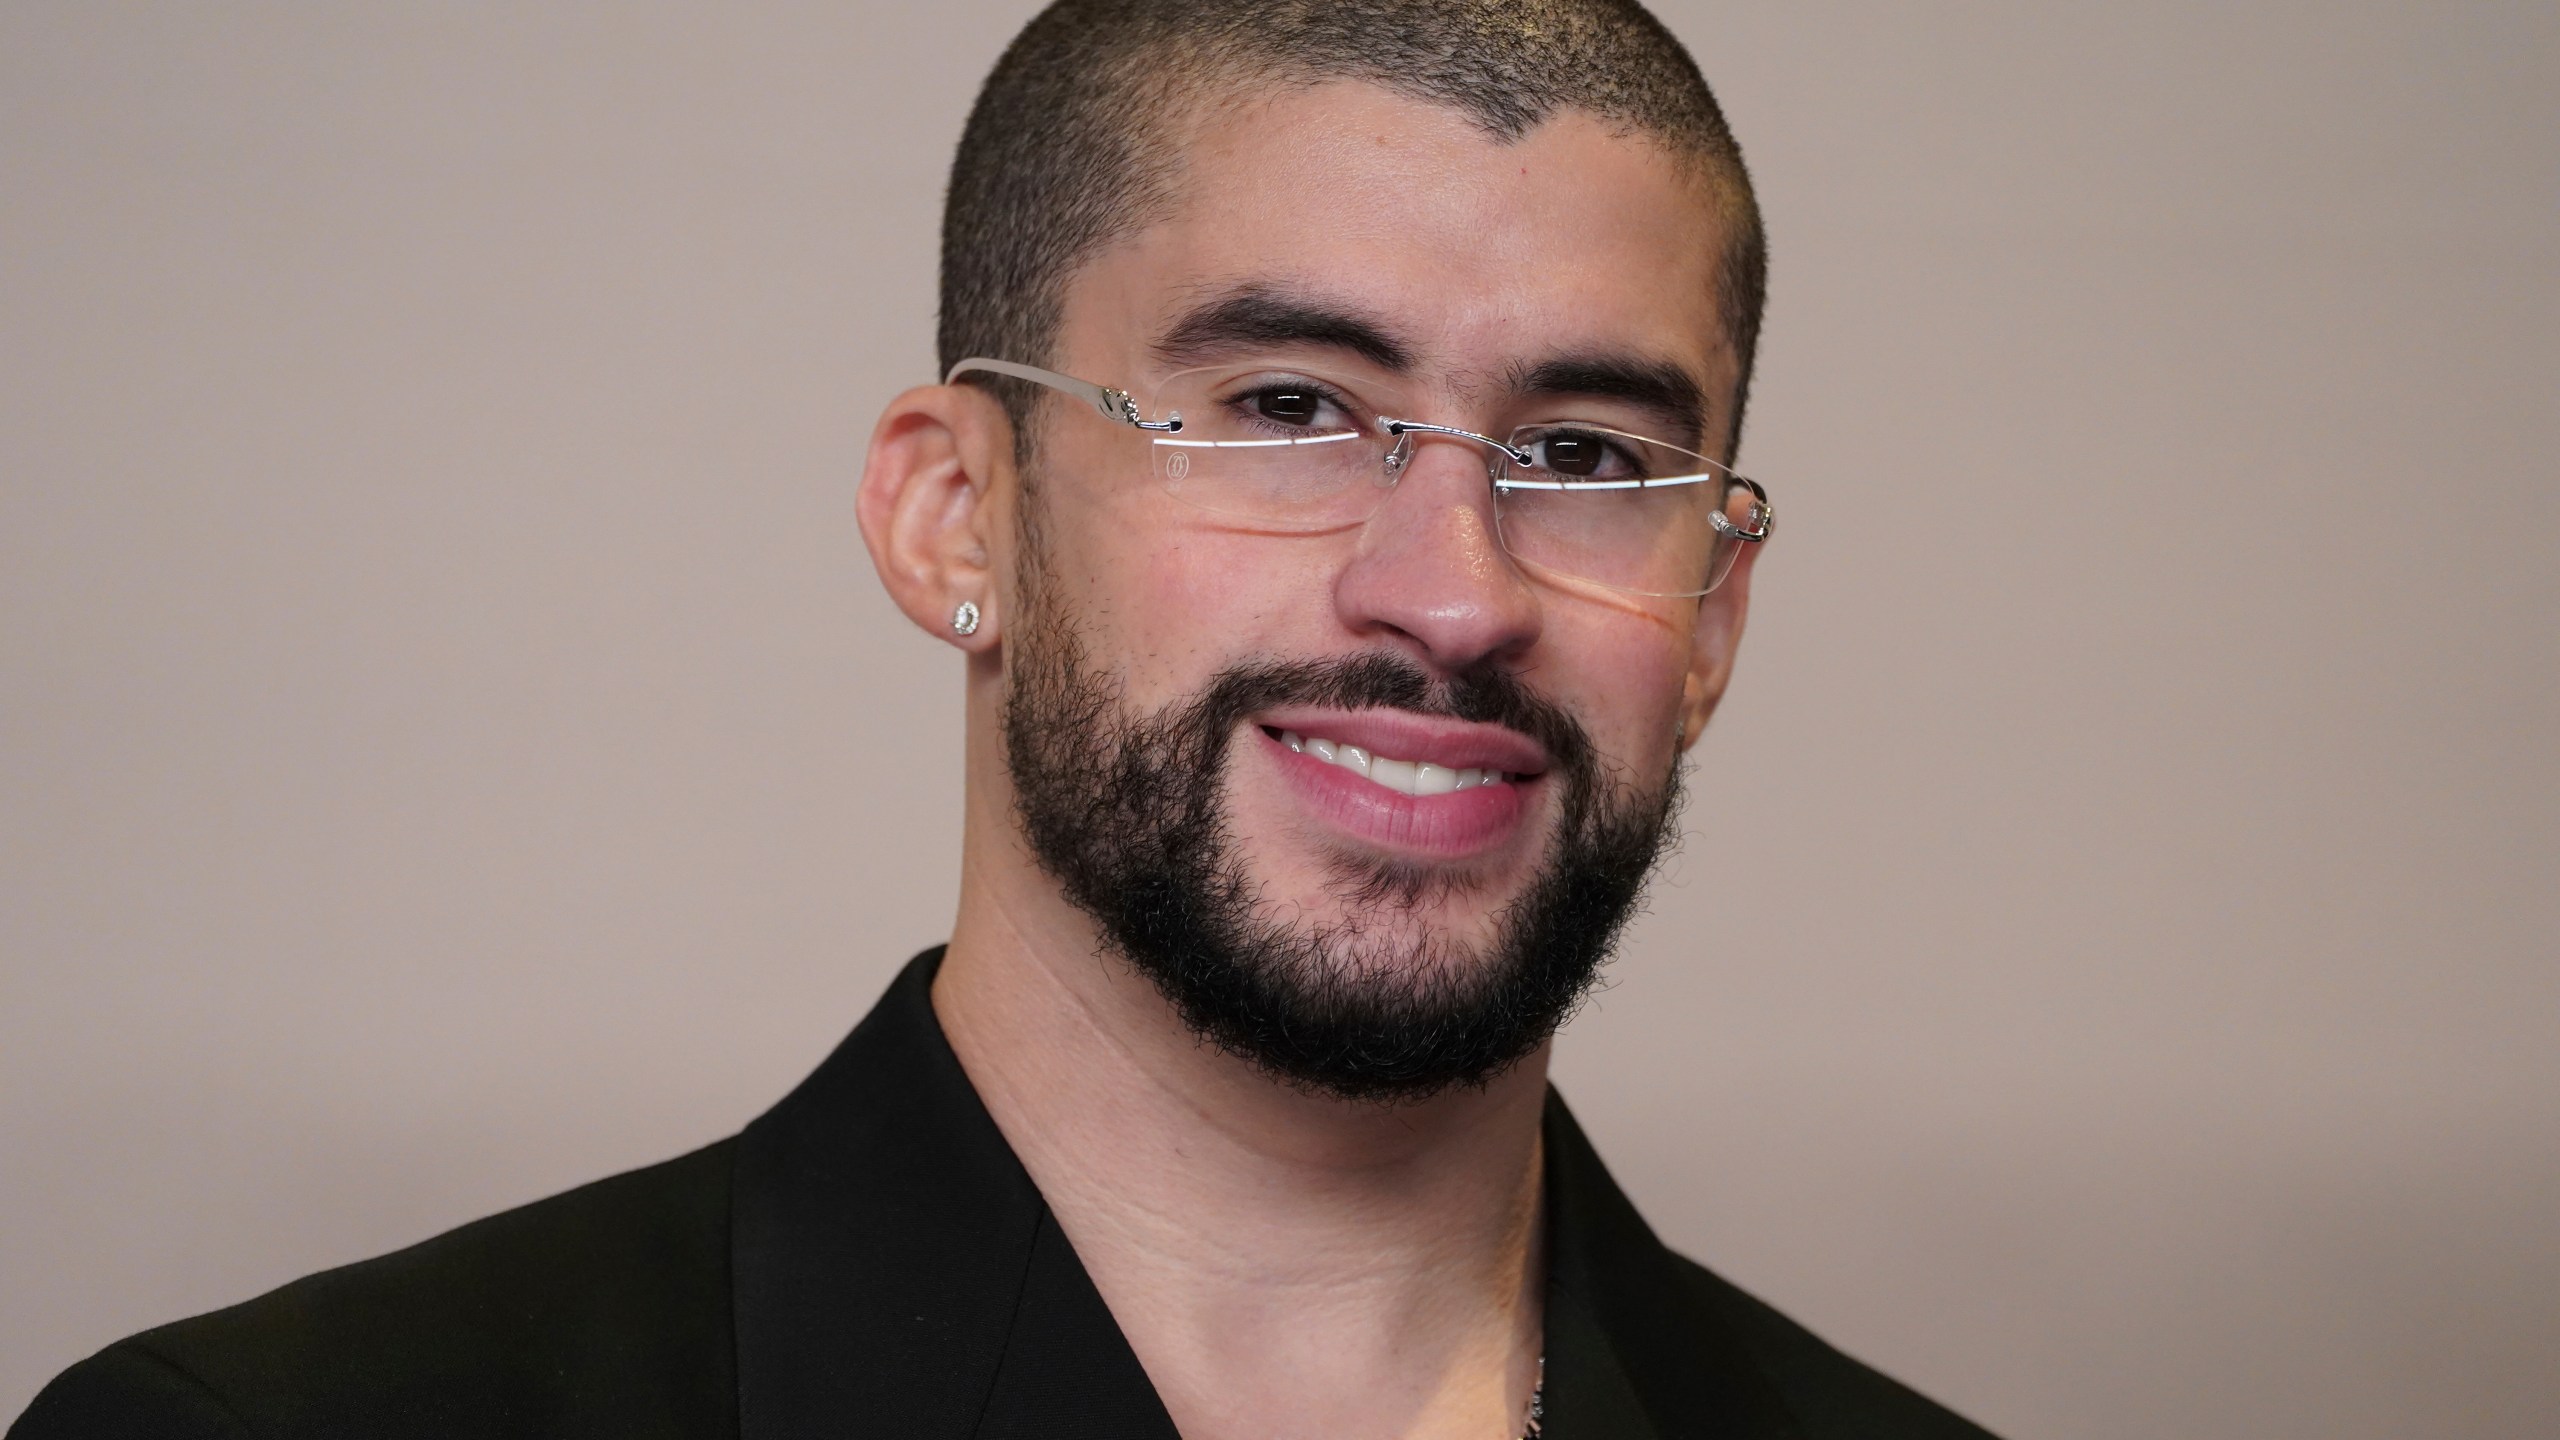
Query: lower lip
[[1462, 822]]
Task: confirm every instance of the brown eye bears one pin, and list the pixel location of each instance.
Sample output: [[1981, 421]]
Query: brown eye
[[1288, 407], [1571, 454]]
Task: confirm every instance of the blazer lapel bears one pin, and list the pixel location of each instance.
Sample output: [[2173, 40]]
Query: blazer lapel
[[895, 1272], [1068, 1373]]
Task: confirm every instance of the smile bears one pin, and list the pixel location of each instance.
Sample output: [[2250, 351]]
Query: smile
[[1407, 783], [1405, 777]]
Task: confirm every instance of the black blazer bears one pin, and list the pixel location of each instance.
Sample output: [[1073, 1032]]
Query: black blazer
[[869, 1259]]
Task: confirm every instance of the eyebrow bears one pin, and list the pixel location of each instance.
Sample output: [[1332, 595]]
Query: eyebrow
[[1669, 392], [1261, 316]]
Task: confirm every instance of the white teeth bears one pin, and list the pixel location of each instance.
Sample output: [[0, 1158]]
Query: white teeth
[[1394, 774], [1412, 777]]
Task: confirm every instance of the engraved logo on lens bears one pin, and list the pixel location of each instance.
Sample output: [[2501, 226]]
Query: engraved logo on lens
[[1177, 464]]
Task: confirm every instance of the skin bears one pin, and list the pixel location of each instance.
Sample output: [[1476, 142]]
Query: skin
[[1287, 1264]]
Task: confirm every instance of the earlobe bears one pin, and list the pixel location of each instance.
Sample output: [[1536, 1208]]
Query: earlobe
[[935, 454], [1713, 640]]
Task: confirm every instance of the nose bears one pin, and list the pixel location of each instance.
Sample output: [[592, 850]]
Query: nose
[[1430, 569]]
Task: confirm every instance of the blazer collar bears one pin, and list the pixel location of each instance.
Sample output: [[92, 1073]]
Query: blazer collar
[[895, 1272], [1635, 1349]]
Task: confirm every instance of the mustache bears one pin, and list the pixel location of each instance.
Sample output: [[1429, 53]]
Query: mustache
[[1481, 694]]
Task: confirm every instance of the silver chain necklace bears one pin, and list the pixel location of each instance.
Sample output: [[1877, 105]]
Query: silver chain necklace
[[1536, 1423]]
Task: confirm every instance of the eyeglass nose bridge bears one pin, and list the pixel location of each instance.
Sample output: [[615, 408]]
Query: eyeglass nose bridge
[[1400, 454]]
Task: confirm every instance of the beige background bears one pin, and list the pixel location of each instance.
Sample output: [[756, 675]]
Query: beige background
[[451, 745]]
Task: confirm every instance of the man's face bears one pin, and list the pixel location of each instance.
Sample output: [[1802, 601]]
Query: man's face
[[1162, 659]]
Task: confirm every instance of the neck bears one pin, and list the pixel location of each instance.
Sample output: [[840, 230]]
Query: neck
[[1282, 1263]]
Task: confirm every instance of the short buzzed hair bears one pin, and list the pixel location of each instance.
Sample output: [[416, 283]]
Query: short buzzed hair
[[1072, 144]]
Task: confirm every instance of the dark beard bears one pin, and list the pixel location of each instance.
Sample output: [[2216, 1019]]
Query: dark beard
[[1127, 813]]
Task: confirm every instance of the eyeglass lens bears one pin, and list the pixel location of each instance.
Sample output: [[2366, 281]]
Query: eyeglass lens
[[1286, 449]]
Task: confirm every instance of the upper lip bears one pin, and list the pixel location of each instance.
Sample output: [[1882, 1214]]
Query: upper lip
[[1456, 744]]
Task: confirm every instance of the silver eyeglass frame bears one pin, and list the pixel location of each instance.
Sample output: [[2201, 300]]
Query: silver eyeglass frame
[[1502, 479], [1118, 407], [1110, 404]]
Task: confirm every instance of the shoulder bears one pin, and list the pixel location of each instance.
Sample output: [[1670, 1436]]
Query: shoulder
[[1830, 1395], [602, 1311]]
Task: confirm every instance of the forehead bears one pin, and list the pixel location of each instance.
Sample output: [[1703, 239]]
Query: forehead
[[1480, 254]]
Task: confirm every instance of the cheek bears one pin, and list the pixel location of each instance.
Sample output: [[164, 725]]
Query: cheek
[[1179, 616], [1175, 601], [1624, 677]]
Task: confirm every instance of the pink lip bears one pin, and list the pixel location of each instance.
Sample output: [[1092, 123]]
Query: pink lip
[[1461, 823], [1457, 744]]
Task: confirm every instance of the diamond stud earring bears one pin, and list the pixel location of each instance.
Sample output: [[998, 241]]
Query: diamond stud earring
[[964, 621]]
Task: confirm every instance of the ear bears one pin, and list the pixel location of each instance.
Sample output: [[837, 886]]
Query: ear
[[1712, 643], [937, 453]]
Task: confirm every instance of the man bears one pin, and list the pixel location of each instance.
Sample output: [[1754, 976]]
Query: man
[[1328, 495]]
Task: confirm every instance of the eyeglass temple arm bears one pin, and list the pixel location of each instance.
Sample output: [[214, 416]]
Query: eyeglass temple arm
[[1110, 404]]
